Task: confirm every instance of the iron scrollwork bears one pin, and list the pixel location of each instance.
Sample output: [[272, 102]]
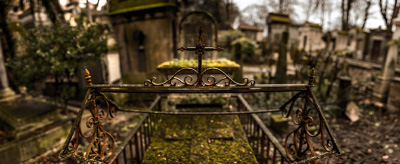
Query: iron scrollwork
[[200, 49], [100, 144], [298, 143]]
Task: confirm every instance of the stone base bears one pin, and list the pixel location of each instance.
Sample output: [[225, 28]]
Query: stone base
[[393, 104], [24, 149], [4, 93], [279, 123]]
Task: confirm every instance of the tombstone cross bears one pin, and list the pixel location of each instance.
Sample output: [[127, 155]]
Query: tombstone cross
[[199, 50]]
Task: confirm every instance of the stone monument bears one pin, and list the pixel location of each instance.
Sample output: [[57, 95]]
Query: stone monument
[[5, 90]]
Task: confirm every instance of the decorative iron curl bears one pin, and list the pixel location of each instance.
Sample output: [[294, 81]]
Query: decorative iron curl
[[101, 143], [298, 142], [187, 81], [229, 80]]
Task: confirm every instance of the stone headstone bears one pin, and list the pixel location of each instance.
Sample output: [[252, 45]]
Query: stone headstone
[[33, 127], [281, 68], [344, 91], [5, 91], [23, 115], [352, 112], [188, 33], [279, 123], [388, 73]]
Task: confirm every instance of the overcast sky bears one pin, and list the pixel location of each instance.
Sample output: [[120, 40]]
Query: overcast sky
[[333, 21]]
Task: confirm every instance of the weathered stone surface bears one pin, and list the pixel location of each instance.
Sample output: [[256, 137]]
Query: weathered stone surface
[[388, 72], [393, 104], [279, 123], [25, 115], [344, 91], [23, 149], [352, 112], [199, 139]]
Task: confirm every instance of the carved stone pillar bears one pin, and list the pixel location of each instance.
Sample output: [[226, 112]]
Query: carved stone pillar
[[388, 71], [4, 87]]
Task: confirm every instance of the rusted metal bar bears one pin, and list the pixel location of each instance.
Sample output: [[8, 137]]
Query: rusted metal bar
[[143, 139], [124, 155], [262, 147], [138, 158], [148, 131], [265, 130], [257, 146], [328, 128], [306, 161], [197, 90], [141, 86], [135, 130], [274, 155], [131, 150], [76, 123], [268, 148], [200, 113]]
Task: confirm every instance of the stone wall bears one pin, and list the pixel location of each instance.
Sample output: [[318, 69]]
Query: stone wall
[[144, 41], [24, 149]]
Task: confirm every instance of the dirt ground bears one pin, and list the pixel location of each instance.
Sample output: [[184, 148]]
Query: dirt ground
[[375, 138]]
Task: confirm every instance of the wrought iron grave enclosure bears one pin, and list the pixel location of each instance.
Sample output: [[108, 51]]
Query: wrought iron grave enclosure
[[298, 146]]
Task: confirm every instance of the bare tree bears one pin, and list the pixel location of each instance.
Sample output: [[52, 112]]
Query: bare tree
[[317, 6], [366, 13], [346, 9], [254, 15], [384, 9], [283, 6], [308, 11], [360, 12]]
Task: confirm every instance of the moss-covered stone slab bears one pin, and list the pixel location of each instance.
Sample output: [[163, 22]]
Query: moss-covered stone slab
[[199, 139], [162, 151], [174, 65]]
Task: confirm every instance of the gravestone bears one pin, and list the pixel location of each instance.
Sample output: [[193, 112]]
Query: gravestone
[[383, 90], [5, 91], [31, 127], [188, 33], [281, 68], [344, 92], [390, 84]]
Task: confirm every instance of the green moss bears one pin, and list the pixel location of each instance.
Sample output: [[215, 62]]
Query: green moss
[[314, 25], [199, 139], [183, 63], [342, 32], [280, 18], [120, 7]]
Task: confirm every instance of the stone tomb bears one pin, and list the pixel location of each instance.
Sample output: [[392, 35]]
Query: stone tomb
[[188, 34], [31, 127]]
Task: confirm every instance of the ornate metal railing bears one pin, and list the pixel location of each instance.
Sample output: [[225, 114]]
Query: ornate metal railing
[[133, 147], [300, 146], [265, 146]]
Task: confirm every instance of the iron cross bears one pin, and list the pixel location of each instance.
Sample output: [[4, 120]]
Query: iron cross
[[199, 50]]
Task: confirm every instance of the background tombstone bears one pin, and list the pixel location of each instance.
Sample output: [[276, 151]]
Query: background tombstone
[[388, 82], [188, 33], [4, 87]]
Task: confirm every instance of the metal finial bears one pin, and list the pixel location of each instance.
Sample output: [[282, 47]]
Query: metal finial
[[311, 77], [200, 33], [200, 49], [88, 78]]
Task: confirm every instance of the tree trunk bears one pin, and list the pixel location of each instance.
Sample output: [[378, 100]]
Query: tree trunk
[[54, 11], [366, 14], [343, 15]]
